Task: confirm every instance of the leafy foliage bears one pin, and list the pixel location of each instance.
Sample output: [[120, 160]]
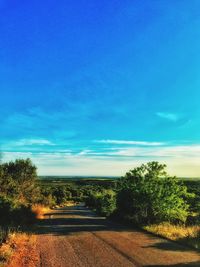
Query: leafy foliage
[[103, 202], [18, 191], [55, 191], [148, 194], [18, 181]]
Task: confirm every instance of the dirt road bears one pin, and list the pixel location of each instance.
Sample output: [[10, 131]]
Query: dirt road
[[75, 237]]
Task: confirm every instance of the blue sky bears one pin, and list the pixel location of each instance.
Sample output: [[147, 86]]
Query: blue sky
[[97, 87]]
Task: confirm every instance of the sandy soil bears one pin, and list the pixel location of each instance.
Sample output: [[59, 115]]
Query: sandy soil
[[75, 237]]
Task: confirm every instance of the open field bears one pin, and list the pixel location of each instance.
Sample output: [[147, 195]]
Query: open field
[[98, 179], [66, 180]]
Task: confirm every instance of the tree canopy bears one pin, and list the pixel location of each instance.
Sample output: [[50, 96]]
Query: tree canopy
[[18, 180], [148, 194]]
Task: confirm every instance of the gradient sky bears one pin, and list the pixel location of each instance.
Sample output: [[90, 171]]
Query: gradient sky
[[93, 87]]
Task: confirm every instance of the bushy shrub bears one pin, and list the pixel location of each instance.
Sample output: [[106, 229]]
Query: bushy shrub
[[12, 213], [147, 195], [18, 181], [103, 202], [6, 208]]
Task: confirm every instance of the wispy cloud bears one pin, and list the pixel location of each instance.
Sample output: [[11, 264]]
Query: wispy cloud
[[129, 142], [182, 160], [173, 152], [168, 116], [31, 142], [85, 152]]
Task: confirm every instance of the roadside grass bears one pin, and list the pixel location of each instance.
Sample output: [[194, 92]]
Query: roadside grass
[[69, 204], [40, 210], [15, 248], [17, 244], [189, 235], [4, 232], [20, 250], [6, 247], [6, 235]]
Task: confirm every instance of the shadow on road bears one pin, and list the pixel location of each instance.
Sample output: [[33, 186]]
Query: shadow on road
[[166, 245], [75, 219], [78, 219]]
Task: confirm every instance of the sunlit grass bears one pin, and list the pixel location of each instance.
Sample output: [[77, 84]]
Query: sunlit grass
[[13, 241], [19, 248], [40, 210], [185, 234]]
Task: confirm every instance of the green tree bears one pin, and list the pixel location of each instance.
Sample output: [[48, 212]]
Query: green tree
[[18, 180], [148, 194], [103, 202]]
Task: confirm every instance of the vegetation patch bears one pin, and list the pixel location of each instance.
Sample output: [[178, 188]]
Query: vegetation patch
[[40, 210], [19, 250], [148, 195], [13, 243], [103, 202], [189, 235]]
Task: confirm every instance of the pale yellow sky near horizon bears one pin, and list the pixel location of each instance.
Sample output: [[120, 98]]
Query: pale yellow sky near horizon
[[83, 164]]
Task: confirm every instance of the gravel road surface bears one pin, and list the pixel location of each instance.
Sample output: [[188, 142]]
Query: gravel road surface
[[76, 237]]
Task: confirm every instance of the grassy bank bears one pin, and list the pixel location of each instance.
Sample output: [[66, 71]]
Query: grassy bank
[[188, 235], [18, 249], [17, 246]]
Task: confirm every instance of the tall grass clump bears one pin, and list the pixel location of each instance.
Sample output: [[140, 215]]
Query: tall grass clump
[[40, 210], [189, 235]]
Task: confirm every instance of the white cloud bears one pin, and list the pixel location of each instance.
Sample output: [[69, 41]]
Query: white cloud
[[168, 116], [182, 160], [30, 142], [178, 151], [129, 142], [188, 151], [85, 152]]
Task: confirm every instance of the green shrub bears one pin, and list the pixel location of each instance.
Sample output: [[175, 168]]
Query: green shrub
[[6, 208], [103, 202], [18, 181], [12, 213], [148, 195]]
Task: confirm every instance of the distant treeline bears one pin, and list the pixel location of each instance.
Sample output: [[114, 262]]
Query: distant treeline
[[82, 181]]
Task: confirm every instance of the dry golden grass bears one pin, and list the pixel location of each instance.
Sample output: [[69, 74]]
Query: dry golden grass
[[66, 204], [6, 251], [186, 234], [19, 251], [69, 203], [40, 210]]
